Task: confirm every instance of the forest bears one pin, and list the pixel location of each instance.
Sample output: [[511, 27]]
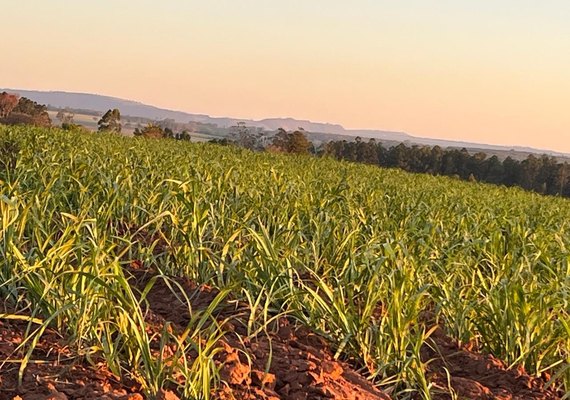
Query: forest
[[541, 174]]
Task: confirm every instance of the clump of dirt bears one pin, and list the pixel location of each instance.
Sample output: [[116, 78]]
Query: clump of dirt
[[478, 376]]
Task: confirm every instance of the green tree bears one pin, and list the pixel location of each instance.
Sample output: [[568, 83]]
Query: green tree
[[280, 140], [366, 151], [494, 170], [511, 172], [436, 160], [28, 112], [245, 136], [110, 122], [291, 142], [184, 135], [530, 169], [562, 179], [298, 143], [398, 156]]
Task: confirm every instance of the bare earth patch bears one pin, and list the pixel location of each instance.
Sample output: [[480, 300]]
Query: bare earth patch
[[53, 373], [284, 362], [479, 376]]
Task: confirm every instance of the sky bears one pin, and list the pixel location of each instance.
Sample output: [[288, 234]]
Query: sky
[[488, 71]]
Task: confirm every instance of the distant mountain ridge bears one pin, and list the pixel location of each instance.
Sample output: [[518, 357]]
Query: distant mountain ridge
[[103, 103], [131, 108]]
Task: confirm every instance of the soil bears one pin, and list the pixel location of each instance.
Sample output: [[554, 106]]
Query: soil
[[474, 375], [54, 374], [286, 361]]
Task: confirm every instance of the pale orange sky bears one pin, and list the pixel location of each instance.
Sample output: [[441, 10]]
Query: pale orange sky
[[491, 71]]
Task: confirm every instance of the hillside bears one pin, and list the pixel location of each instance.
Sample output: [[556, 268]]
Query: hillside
[[324, 131], [135, 267]]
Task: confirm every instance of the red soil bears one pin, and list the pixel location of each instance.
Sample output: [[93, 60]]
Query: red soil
[[284, 362], [478, 376], [301, 365], [53, 374]]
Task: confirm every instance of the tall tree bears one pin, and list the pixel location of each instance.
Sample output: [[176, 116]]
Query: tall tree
[[291, 142], [366, 151], [8, 102], [562, 179], [398, 156], [511, 171], [530, 168], [494, 171], [281, 140], [111, 121], [298, 143], [245, 136]]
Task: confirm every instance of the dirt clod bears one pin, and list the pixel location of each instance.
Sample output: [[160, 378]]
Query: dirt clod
[[333, 369], [263, 379], [166, 395]]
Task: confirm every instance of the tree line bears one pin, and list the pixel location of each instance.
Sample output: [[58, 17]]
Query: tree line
[[281, 141], [16, 110], [111, 122], [542, 174]]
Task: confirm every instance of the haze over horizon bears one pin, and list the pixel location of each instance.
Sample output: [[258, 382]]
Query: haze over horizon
[[493, 72]]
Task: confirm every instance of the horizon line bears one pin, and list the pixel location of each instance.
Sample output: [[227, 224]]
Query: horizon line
[[512, 147]]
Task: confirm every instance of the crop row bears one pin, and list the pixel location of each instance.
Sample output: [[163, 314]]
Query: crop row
[[369, 258]]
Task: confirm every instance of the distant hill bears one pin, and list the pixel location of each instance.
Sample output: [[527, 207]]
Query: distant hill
[[102, 103], [327, 131], [86, 101]]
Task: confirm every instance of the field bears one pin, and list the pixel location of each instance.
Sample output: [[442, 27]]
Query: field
[[88, 121], [129, 125], [161, 267]]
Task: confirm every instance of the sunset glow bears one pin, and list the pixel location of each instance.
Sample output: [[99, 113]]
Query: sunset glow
[[496, 72]]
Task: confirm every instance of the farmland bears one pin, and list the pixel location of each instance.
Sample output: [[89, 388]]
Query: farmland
[[379, 265]]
